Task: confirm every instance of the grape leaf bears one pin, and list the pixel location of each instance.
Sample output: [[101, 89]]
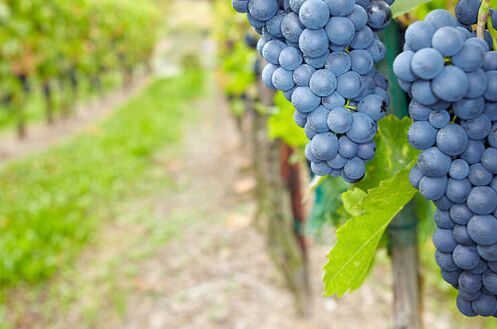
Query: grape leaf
[[352, 200], [401, 7], [327, 206], [393, 152], [352, 256]]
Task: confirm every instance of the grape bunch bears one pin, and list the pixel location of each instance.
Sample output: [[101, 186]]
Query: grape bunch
[[451, 77], [321, 54]]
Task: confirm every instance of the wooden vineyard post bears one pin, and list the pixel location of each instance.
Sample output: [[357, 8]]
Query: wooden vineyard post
[[402, 232], [274, 207]]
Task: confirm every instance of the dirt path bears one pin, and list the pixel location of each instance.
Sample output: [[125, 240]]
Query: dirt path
[[42, 136]]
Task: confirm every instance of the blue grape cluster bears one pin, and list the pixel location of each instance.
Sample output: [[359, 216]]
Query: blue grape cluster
[[451, 77], [321, 54]]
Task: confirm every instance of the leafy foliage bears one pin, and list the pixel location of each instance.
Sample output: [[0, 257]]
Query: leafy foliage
[[351, 258], [236, 58], [401, 7], [393, 152], [327, 208]]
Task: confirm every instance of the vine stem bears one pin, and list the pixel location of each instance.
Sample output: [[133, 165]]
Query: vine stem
[[483, 15], [493, 32]]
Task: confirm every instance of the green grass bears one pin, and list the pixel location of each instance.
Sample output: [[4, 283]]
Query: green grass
[[49, 203]]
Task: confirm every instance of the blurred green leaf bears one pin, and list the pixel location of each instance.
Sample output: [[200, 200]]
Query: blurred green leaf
[[401, 7], [327, 207], [282, 125]]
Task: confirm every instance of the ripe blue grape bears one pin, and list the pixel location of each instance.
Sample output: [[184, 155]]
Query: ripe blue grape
[[440, 18], [305, 100], [363, 39], [489, 160], [359, 17], [451, 84], [447, 41], [290, 58], [379, 13], [466, 257], [422, 135], [324, 146], [323, 83], [240, 6], [340, 30], [314, 14], [457, 191], [482, 200], [459, 169], [452, 140], [363, 128], [427, 63], [272, 50], [263, 10], [362, 61], [302, 75], [467, 11], [373, 106], [340, 120], [349, 84], [340, 62], [313, 43], [354, 170], [481, 230], [469, 58], [341, 7], [283, 79], [347, 148], [318, 119], [419, 35], [291, 27]]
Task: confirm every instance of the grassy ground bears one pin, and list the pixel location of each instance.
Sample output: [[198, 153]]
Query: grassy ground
[[50, 204]]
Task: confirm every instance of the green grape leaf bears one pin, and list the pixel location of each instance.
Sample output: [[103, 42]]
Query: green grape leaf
[[282, 125], [352, 201], [393, 152], [327, 206], [352, 256], [401, 7]]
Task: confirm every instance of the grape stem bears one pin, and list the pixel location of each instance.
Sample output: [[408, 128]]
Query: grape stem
[[483, 15], [493, 32]]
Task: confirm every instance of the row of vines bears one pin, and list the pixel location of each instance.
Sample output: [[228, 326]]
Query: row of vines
[[52, 48], [380, 212]]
